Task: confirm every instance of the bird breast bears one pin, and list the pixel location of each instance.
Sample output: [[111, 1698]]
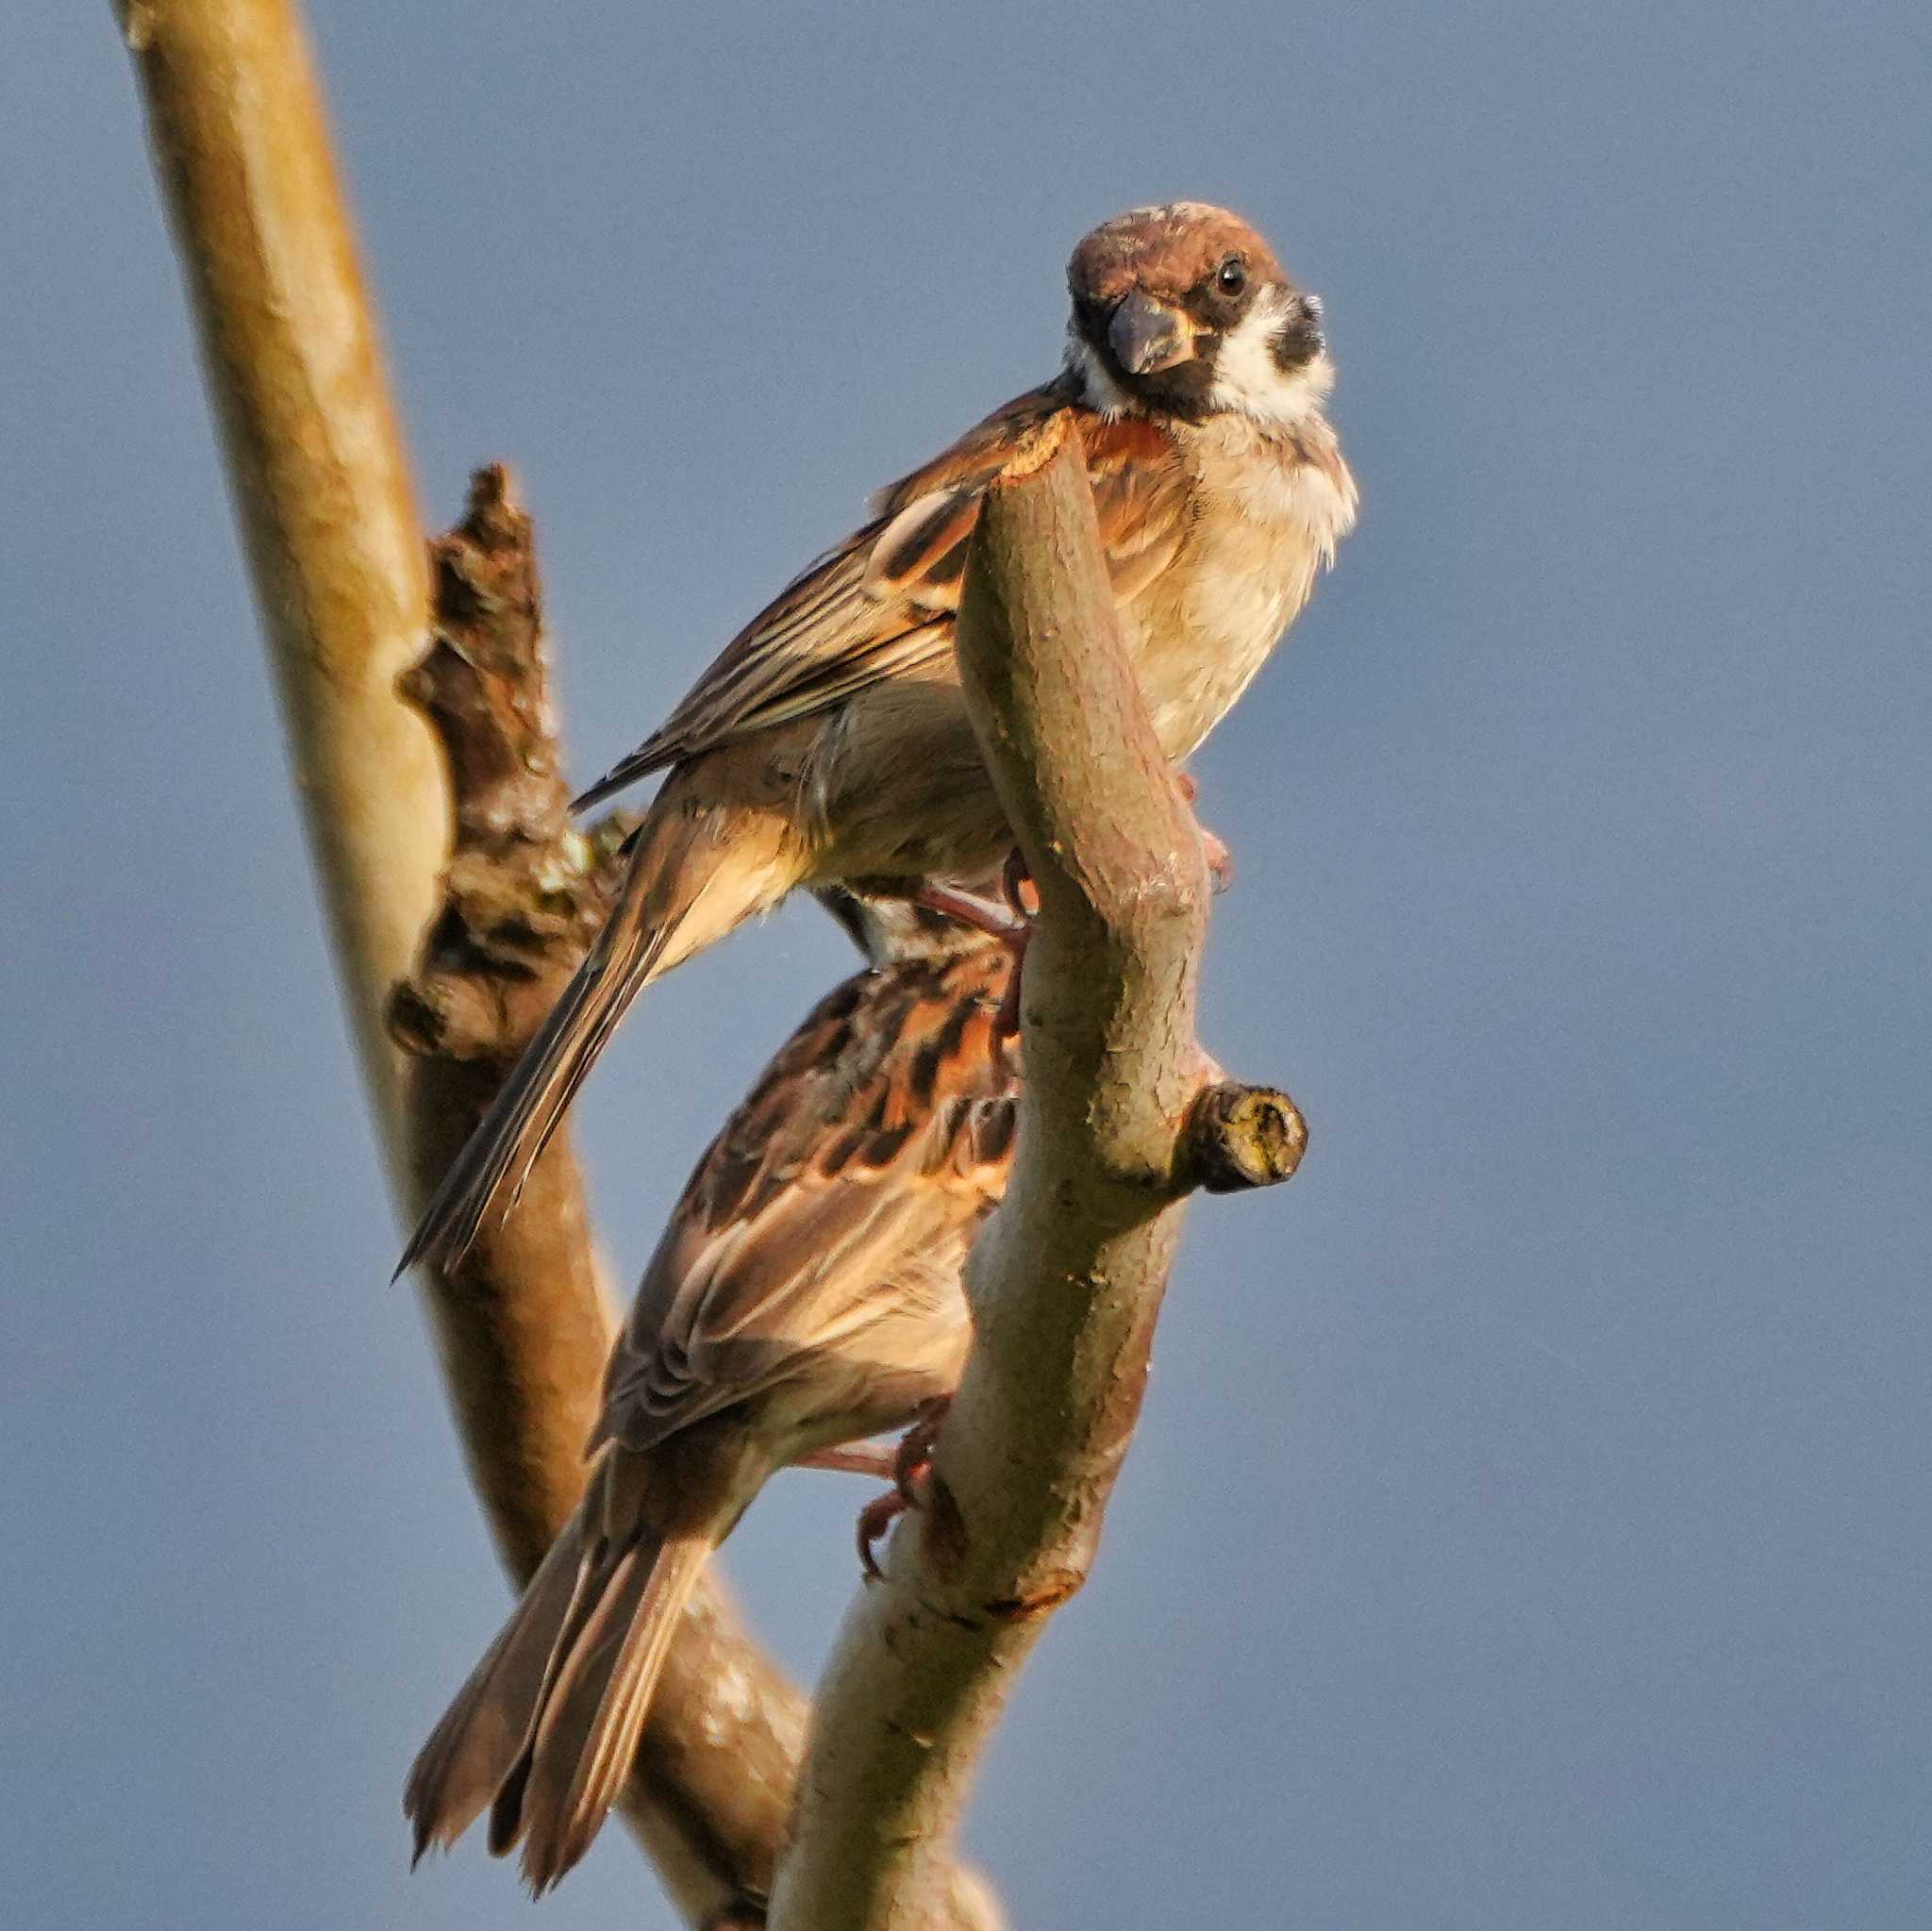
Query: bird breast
[[1270, 506]]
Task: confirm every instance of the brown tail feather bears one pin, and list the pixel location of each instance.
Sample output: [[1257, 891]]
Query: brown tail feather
[[607, 1600], [473, 1748], [696, 870], [586, 1736], [546, 1730], [601, 1574]]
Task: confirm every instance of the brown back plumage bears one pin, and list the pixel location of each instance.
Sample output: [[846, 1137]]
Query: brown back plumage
[[806, 1292], [880, 604]]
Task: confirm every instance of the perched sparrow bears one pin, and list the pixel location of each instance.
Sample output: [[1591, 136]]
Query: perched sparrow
[[830, 743], [807, 1292]]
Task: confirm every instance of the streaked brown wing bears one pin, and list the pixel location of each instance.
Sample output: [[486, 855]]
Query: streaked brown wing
[[858, 1170], [1140, 499], [880, 605]]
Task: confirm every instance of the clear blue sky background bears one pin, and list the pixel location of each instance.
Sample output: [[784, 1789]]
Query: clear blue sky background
[[1530, 1523]]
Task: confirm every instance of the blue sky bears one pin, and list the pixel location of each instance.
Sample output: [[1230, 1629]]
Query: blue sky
[[1528, 1526]]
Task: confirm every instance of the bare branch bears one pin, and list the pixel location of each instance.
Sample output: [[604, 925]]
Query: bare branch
[[315, 467], [320, 491], [1236, 1136], [523, 1324], [1120, 1121]]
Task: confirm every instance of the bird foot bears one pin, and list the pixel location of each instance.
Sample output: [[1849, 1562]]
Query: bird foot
[[1220, 861], [912, 1465], [874, 1519], [1006, 1019], [1023, 902]]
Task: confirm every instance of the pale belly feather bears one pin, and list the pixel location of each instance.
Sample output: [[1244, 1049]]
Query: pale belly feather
[[1245, 572], [897, 788]]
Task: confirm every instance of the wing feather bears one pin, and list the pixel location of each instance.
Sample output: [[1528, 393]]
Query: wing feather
[[880, 605], [865, 1158]]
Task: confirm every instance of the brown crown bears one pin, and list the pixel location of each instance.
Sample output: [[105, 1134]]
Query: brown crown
[[1165, 251]]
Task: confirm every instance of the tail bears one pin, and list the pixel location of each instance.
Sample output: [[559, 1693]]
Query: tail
[[584, 1737], [696, 870], [481, 1734], [546, 1729]]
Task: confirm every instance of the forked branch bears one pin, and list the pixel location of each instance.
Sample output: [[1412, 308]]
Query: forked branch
[[524, 1322], [320, 488]]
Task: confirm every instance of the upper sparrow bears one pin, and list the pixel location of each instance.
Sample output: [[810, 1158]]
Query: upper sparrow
[[829, 741], [807, 1292]]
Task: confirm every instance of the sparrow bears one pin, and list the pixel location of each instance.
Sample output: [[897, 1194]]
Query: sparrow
[[807, 1292], [830, 741]]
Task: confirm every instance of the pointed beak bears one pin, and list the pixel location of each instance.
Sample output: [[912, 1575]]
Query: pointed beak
[[1147, 335]]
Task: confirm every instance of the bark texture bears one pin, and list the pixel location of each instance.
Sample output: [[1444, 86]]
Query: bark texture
[[1124, 1116], [323, 497], [315, 468], [523, 1324]]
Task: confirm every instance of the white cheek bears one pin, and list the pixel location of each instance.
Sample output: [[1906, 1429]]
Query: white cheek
[[1248, 380], [1098, 389]]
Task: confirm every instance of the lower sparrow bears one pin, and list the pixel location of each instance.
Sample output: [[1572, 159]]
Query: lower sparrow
[[805, 1294]]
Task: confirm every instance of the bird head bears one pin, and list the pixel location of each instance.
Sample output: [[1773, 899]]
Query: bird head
[[1183, 310]]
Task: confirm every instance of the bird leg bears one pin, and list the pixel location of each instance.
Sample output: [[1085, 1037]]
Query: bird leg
[[859, 1458], [1023, 898], [911, 1464], [874, 1519], [969, 909], [1220, 861]]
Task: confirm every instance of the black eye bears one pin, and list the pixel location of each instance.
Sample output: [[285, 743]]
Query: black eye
[[1231, 277]]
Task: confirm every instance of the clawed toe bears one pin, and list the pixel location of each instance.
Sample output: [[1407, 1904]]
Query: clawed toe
[[874, 1519], [911, 1464]]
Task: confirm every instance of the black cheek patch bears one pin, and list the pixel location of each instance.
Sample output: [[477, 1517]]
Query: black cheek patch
[[1296, 342]]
